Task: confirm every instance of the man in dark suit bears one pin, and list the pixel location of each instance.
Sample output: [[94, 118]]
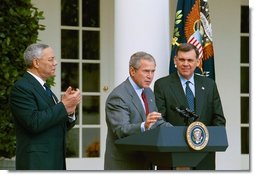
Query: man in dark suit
[[41, 120], [127, 113], [170, 91]]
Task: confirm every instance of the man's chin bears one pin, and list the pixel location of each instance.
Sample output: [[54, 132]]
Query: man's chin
[[147, 85], [185, 74], [52, 75]]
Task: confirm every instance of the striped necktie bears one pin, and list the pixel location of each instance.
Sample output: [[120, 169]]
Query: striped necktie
[[189, 96], [145, 102], [48, 91]]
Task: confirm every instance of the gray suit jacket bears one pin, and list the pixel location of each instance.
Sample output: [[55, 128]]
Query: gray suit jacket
[[124, 115]]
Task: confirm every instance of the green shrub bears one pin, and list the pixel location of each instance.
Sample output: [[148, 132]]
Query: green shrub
[[19, 27]]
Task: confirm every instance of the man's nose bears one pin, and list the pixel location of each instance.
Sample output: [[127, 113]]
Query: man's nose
[[55, 62], [150, 74]]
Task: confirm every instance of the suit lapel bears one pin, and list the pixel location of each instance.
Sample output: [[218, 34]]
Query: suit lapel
[[136, 100], [38, 88], [199, 94], [151, 102], [137, 103], [178, 92]]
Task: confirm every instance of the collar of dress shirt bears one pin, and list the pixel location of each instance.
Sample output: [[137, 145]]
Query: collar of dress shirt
[[37, 78], [137, 89], [183, 80]]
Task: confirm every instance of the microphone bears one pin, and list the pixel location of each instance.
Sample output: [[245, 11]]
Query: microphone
[[190, 112], [182, 112]]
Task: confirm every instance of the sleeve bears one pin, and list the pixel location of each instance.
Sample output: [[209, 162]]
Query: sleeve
[[218, 116], [160, 100], [118, 117], [33, 112]]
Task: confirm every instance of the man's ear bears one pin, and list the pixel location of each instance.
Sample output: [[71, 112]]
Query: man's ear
[[199, 62], [35, 63], [132, 71]]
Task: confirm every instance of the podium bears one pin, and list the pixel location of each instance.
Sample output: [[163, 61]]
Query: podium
[[168, 146]]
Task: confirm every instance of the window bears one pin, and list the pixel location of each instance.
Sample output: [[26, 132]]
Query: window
[[244, 79], [80, 68]]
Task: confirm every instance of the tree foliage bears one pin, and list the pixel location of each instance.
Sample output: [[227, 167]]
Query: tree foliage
[[19, 27]]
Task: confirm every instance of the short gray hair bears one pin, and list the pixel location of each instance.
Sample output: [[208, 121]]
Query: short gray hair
[[33, 51], [135, 60]]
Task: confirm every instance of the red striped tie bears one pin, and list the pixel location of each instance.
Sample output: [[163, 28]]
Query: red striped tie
[[145, 102]]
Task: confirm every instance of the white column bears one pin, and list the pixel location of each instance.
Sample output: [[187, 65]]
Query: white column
[[141, 25]]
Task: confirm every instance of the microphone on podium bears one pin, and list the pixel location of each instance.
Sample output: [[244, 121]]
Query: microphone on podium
[[191, 113], [182, 112], [188, 115]]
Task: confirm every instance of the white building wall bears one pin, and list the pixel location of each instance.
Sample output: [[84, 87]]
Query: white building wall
[[226, 34], [141, 25]]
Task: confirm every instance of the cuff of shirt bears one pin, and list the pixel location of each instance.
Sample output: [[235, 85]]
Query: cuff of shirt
[[72, 117], [142, 127]]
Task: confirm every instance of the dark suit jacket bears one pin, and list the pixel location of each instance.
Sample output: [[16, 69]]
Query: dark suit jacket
[[168, 91], [41, 126], [124, 115]]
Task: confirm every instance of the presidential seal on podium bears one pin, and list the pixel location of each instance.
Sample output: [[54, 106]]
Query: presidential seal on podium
[[197, 135]]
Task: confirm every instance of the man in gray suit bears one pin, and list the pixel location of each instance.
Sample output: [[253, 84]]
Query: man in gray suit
[[170, 91], [127, 113]]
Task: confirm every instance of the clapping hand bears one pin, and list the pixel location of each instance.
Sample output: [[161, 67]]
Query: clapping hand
[[71, 99]]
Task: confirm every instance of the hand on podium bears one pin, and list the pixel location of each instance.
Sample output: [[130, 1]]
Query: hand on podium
[[151, 118]]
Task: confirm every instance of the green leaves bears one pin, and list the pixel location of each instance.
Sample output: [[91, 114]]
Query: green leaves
[[178, 20], [179, 16], [19, 26]]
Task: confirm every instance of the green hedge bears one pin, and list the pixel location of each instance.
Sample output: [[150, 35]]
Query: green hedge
[[19, 27]]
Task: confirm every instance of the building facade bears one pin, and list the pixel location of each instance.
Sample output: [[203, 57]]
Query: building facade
[[93, 41]]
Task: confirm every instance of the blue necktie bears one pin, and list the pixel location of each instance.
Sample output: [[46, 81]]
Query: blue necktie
[[189, 96], [48, 91]]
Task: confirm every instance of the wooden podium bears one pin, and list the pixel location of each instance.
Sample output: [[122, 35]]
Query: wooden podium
[[168, 146]]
